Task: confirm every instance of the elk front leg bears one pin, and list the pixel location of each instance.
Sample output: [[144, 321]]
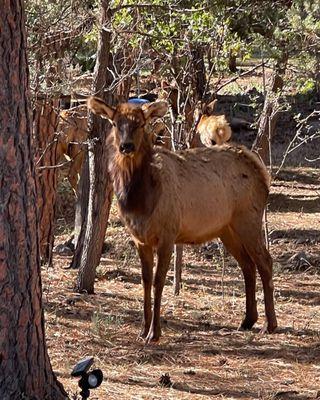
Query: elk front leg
[[163, 260], [146, 257]]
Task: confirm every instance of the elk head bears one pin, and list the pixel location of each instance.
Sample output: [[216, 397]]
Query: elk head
[[128, 122], [212, 129]]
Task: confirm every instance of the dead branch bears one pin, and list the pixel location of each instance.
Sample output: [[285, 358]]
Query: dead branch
[[61, 165], [292, 146], [240, 76]]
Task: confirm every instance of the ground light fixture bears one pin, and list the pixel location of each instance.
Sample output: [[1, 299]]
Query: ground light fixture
[[88, 379]]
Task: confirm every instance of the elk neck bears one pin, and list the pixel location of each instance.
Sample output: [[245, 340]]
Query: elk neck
[[134, 182]]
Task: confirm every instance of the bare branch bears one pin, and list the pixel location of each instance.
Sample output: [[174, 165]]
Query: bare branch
[[159, 7], [240, 76], [61, 165], [292, 147]]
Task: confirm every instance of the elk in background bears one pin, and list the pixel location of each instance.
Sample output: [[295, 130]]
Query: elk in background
[[189, 196], [209, 129], [72, 132]]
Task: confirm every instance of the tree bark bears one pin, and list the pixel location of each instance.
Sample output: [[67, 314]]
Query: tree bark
[[90, 243], [199, 72], [81, 210], [25, 369], [270, 112], [177, 268], [232, 62], [45, 123]]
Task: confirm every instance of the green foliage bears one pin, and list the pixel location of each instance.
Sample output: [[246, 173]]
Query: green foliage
[[306, 86], [62, 40], [65, 33]]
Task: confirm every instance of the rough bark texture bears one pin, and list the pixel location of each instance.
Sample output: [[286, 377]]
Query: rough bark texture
[[89, 247], [232, 62], [81, 210], [270, 114], [25, 370], [177, 265], [199, 72], [45, 123]]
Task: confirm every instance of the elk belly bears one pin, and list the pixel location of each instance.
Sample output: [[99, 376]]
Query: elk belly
[[203, 223]]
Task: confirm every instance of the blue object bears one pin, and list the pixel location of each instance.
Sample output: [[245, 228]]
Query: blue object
[[136, 100]]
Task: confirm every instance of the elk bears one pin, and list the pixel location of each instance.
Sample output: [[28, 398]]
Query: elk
[[190, 196], [72, 130], [209, 129]]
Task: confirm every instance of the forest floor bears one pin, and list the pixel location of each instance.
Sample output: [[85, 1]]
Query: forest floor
[[202, 350]]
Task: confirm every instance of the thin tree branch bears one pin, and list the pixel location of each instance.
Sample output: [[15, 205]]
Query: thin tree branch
[[157, 6], [240, 76]]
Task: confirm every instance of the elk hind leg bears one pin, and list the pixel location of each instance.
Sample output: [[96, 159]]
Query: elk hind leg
[[253, 242], [234, 246]]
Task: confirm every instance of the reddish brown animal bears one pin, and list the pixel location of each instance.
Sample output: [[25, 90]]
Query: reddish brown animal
[[72, 131], [191, 197], [210, 129]]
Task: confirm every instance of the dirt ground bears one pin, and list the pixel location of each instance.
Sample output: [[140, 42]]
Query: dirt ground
[[201, 350]]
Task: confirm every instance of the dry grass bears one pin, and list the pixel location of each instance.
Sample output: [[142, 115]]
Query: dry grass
[[201, 349]]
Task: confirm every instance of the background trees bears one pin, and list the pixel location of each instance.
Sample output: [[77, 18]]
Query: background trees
[[185, 51]]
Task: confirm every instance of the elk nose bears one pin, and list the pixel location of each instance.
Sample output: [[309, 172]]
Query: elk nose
[[127, 148]]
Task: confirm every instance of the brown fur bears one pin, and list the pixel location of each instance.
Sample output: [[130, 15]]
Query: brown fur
[[210, 129], [72, 130], [160, 134], [190, 196]]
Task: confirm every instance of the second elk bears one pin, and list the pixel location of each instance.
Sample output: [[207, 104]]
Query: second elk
[[191, 197], [210, 129]]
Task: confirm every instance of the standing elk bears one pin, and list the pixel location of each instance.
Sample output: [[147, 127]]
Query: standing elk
[[190, 196]]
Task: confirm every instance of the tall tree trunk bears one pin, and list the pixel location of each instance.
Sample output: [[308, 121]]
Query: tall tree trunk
[[199, 72], [45, 123], [232, 62], [89, 247], [270, 112], [25, 370], [177, 268]]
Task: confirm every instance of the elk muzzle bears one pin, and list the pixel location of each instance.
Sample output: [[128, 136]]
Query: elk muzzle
[[127, 148]]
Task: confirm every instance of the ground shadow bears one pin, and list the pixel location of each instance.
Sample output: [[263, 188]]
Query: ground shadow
[[305, 178], [279, 202], [312, 235]]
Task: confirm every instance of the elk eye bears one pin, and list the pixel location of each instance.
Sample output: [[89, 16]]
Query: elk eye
[[135, 125]]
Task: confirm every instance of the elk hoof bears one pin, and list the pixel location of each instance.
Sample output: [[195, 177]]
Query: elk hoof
[[153, 336], [269, 327], [247, 324], [143, 333]]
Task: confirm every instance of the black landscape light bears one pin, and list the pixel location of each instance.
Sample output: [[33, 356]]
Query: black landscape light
[[88, 379]]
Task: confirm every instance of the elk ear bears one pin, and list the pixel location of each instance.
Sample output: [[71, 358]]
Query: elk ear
[[209, 108], [155, 110], [99, 107]]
